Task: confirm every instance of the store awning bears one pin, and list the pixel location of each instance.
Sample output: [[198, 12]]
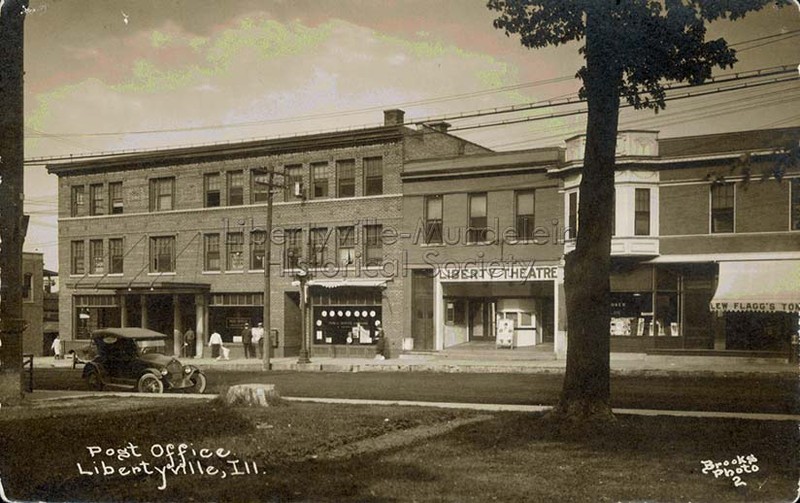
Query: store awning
[[338, 282], [764, 286]]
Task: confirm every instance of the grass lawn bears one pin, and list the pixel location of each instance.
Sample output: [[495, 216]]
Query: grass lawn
[[314, 452]]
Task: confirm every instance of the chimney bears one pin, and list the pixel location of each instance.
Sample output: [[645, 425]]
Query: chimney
[[440, 126], [393, 117]]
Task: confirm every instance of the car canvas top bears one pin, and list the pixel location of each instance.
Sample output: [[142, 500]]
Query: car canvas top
[[128, 333]]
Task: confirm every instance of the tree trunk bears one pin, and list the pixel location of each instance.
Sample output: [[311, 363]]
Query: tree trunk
[[585, 396], [12, 16], [252, 395]]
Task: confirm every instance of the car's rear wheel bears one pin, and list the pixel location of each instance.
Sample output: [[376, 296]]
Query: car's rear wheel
[[150, 383], [93, 380], [198, 383]]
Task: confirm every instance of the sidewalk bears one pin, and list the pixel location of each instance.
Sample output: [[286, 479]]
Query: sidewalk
[[621, 364]]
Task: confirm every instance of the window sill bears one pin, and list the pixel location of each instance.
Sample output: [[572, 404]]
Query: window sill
[[211, 272], [172, 273], [234, 271]]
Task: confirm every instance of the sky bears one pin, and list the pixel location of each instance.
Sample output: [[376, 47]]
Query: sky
[[137, 74]]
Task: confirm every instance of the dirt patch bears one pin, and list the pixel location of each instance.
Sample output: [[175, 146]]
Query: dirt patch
[[399, 438]]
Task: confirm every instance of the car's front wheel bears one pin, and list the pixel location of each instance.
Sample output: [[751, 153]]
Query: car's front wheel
[[198, 383], [150, 383]]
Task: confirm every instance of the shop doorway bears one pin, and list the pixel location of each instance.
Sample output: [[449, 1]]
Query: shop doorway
[[481, 316]]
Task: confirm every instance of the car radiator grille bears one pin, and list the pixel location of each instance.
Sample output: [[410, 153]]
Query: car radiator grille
[[175, 368]]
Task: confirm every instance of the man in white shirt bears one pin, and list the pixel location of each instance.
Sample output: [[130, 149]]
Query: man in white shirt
[[258, 339], [215, 343]]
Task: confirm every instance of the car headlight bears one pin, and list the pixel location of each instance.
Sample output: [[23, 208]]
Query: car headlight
[[164, 372], [187, 370]]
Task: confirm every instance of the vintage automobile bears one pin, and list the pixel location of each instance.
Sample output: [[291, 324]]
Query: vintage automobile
[[133, 358]]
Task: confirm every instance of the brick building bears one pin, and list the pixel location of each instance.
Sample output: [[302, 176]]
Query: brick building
[[33, 294], [174, 239], [443, 242]]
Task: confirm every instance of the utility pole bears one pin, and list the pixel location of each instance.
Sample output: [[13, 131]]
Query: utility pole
[[267, 178], [12, 224]]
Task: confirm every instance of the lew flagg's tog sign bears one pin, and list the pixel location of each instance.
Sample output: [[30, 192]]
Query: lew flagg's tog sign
[[762, 307]]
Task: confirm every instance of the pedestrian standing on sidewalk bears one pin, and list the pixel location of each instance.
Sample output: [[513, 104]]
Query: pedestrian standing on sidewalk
[[247, 341], [57, 348], [258, 339], [189, 342], [215, 342]]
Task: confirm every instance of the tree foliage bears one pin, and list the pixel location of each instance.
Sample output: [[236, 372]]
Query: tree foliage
[[650, 42]]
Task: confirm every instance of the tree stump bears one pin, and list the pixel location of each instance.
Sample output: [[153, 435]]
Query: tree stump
[[252, 395]]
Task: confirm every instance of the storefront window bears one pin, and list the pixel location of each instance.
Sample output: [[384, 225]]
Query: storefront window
[[349, 316]]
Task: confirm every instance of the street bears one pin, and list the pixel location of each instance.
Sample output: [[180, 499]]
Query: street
[[764, 394]]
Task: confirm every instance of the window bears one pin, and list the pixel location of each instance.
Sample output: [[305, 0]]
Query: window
[[293, 248], [722, 201], [433, 219], [524, 218], [319, 179], [212, 189], [346, 245], [162, 194], [115, 202], [77, 266], [97, 205], [641, 218], [27, 286], [162, 254], [294, 175], [477, 231], [258, 249], [572, 216], [211, 248], [235, 188], [259, 192], [374, 245], [116, 256], [234, 245], [96, 262], [795, 209], [373, 176], [77, 201], [346, 178], [318, 237]]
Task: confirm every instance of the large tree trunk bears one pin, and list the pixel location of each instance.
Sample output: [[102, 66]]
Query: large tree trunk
[[12, 18], [586, 392]]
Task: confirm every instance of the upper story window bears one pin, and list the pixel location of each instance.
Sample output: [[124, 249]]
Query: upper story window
[[373, 176], [96, 199], [433, 219], [524, 217], [116, 256], [795, 204], [259, 192], [211, 259], [572, 215], [27, 287], [346, 245], [373, 245], [77, 201], [293, 176], [212, 188], [162, 194], [293, 248], [478, 220], [162, 254], [96, 258], [235, 188], [115, 202], [234, 244], [318, 252], [346, 178], [641, 216], [258, 250], [77, 263], [722, 207], [319, 179]]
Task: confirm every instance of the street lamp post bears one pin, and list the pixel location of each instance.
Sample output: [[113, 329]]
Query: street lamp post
[[303, 358]]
